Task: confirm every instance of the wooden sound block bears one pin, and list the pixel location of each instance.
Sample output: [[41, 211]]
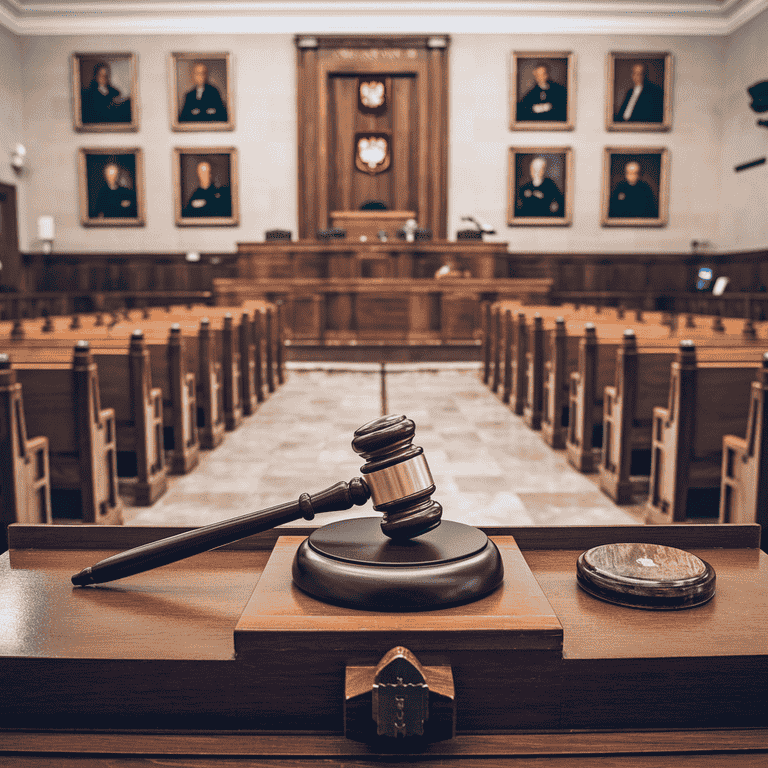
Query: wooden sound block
[[281, 618], [649, 576], [353, 563]]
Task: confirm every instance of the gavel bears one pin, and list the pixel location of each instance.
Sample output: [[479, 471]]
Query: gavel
[[395, 476]]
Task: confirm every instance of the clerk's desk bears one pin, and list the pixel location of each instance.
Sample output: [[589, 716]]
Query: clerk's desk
[[144, 671]]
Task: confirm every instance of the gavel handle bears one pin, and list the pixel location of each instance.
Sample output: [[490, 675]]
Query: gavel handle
[[338, 497]]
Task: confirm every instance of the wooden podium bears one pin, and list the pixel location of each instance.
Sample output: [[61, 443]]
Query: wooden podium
[[220, 657]]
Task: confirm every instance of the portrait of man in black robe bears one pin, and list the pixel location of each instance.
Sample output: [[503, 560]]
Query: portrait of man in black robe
[[541, 91], [636, 184], [546, 100], [539, 186], [104, 95], [207, 192], [640, 90], [111, 188], [201, 98], [203, 103]]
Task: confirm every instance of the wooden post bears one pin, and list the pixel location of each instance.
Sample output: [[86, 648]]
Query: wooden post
[[616, 457], [258, 354], [247, 366], [279, 342], [183, 398], [535, 359], [269, 337], [25, 495], [486, 331], [517, 398], [233, 413], [96, 443]]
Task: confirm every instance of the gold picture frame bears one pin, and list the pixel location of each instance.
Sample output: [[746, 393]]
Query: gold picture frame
[[105, 92], [205, 104], [542, 91], [651, 108], [539, 186], [111, 186], [205, 197], [635, 187]]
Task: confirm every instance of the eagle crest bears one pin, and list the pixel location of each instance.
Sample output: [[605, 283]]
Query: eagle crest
[[372, 152], [372, 94]]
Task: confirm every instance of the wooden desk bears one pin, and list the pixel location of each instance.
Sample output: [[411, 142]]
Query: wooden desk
[[351, 258], [145, 667]]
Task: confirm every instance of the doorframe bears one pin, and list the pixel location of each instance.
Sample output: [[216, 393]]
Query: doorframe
[[317, 59], [10, 274]]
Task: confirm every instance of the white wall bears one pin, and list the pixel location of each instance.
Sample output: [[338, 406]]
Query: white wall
[[265, 136], [11, 130], [745, 217], [480, 139], [264, 76]]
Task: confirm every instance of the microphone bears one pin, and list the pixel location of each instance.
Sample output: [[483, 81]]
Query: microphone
[[481, 226], [396, 476]]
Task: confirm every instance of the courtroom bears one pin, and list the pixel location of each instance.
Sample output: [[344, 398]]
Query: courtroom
[[384, 383]]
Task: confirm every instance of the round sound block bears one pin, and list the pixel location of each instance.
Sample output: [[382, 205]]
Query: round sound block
[[353, 563], [647, 576]]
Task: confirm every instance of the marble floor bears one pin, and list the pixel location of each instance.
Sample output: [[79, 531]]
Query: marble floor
[[489, 468]]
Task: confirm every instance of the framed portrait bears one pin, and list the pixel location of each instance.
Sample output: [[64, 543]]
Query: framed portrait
[[542, 91], [639, 94], [205, 184], [111, 187], [539, 186], [201, 92], [104, 92], [635, 182]]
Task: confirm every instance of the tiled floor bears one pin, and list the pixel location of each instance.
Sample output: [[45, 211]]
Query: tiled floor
[[489, 468]]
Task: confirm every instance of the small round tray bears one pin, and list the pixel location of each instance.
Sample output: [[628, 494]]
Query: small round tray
[[649, 576]]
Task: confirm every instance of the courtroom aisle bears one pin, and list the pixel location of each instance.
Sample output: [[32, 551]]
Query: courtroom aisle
[[489, 468]]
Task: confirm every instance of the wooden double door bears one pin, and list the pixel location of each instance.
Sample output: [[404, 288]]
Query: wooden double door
[[403, 128]]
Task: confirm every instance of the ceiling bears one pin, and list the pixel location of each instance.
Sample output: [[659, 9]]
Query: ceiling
[[649, 17]]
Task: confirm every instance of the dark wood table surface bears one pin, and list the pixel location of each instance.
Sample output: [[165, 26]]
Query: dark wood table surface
[[143, 671]]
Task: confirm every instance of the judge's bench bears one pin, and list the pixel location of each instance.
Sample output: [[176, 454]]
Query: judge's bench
[[353, 292]]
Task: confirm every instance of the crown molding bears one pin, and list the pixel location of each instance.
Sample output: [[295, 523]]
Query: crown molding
[[518, 17]]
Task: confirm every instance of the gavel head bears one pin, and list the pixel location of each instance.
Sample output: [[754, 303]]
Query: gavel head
[[397, 476]]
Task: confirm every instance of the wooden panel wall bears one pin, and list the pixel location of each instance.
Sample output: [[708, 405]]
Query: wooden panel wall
[[415, 68], [349, 188]]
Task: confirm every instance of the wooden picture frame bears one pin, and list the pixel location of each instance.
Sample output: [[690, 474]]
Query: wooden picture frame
[[201, 91], [542, 91], [205, 198], [105, 92], [111, 182], [651, 108], [539, 186], [635, 196]]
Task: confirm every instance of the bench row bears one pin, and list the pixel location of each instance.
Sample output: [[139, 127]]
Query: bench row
[[670, 411], [172, 385]]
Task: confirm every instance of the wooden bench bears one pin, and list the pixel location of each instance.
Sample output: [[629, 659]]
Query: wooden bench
[[125, 386], [62, 401], [642, 381], [744, 478], [707, 401], [168, 354], [199, 350], [596, 370], [25, 490]]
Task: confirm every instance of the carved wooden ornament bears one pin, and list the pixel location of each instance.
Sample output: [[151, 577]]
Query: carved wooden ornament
[[372, 96], [372, 152], [400, 695]]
